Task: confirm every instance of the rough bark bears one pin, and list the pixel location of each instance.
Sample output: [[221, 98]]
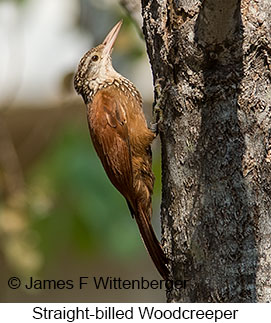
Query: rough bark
[[211, 67]]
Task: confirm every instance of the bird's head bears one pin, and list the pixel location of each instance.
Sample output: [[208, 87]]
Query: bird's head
[[95, 66]]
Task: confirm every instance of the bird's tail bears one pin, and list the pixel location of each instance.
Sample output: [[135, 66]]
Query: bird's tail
[[151, 242]]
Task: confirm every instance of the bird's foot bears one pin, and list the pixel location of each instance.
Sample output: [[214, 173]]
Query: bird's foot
[[158, 117], [157, 110], [154, 128]]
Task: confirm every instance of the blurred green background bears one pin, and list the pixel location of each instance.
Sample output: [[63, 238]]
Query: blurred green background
[[60, 217]]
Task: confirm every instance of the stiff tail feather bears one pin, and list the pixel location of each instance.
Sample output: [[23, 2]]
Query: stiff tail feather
[[152, 244]]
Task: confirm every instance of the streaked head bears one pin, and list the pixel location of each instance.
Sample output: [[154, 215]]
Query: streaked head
[[95, 66]]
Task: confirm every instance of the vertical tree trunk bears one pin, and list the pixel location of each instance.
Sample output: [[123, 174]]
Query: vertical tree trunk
[[211, 67]]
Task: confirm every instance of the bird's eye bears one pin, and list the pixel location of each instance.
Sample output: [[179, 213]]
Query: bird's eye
[[95, 58]]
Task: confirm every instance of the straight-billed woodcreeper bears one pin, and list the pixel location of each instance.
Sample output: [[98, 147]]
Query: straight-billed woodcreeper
[[120, 136]]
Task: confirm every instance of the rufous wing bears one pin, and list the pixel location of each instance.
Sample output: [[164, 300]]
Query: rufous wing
[[109, 132]]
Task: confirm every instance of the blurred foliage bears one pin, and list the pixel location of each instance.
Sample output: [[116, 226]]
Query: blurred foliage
[[16, 1], [72, 203], [66, 203], [135, 49]]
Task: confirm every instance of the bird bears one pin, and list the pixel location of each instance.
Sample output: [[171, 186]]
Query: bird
[[121, 137]]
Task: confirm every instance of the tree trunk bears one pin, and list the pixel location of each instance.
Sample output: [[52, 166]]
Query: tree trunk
[[211, 67]]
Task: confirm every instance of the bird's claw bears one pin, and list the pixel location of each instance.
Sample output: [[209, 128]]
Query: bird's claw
[[154, 127], [158, 117], [157, 110]]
